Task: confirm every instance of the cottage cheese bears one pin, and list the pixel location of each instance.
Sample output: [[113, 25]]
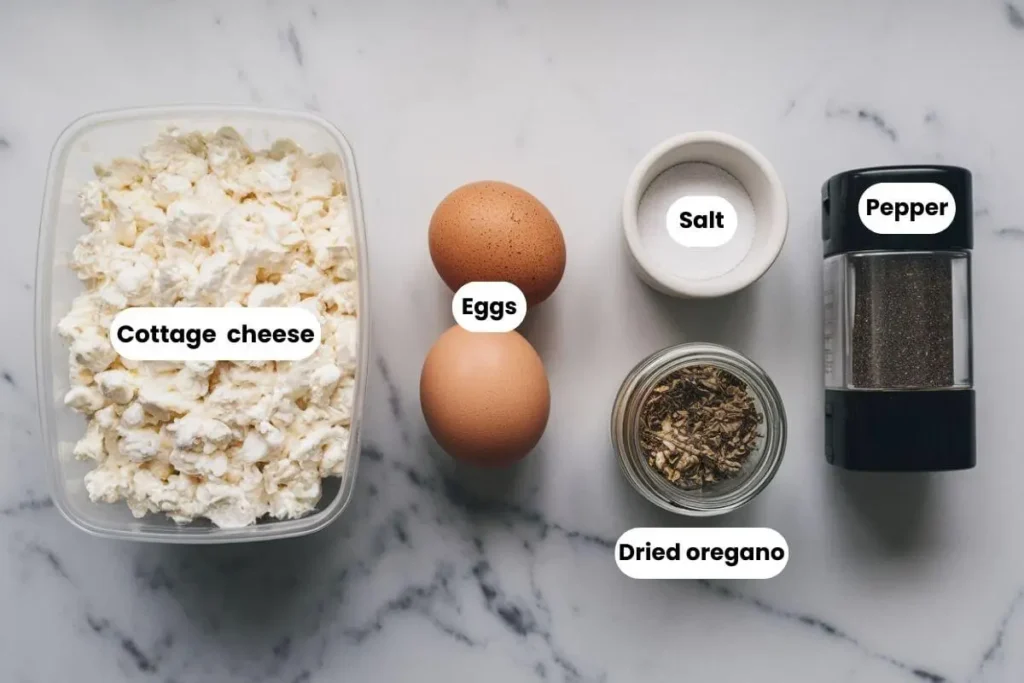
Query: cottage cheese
[[203, 220]]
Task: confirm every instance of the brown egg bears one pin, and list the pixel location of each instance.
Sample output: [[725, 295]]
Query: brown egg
[[495, 232], [485, 396]]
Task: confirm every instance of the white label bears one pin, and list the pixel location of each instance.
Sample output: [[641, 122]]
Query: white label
[[211, 334], [906, 208], [489, 306], [701, 553], [701, 221]]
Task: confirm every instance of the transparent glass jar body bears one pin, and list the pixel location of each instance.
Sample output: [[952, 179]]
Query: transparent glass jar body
[[721, 497], [898, 320]]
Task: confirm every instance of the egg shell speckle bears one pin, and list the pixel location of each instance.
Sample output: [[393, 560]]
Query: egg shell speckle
[[490, 231], [485, 396]]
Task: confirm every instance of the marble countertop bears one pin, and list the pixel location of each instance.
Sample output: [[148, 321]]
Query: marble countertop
[[436, 573]]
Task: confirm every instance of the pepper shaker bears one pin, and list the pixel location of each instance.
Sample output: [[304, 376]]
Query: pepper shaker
[[899, 393]]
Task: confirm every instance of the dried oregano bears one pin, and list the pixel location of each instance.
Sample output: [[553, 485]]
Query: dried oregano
[[699, 426]]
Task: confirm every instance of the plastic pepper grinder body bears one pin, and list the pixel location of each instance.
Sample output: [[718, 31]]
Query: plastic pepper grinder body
[[899, 393]]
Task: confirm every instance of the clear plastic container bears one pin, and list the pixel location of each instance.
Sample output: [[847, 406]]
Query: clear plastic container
[[101, 137]]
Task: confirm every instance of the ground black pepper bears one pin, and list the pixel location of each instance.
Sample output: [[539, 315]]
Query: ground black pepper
[[902, 335]]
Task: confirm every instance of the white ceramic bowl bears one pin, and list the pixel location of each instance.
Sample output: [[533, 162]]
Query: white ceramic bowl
[[761, 183]]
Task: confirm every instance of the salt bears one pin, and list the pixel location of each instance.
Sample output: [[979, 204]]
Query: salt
[[693, 263]]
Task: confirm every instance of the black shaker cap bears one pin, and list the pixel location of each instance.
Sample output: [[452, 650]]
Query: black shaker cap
[[844, 231]]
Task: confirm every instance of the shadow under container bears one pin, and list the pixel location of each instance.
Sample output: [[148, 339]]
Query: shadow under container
[[101, 137], [723, 496]]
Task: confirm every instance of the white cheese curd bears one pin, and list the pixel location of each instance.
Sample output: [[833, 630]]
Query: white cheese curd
[[203, 220]]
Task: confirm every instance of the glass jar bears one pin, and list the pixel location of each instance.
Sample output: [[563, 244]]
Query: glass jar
[[897, 319], [723, 496]]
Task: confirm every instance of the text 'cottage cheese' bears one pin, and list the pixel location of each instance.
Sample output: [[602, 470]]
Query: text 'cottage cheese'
[[202, 220]]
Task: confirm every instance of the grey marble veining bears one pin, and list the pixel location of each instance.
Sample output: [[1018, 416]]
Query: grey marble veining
[[438, 572]]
